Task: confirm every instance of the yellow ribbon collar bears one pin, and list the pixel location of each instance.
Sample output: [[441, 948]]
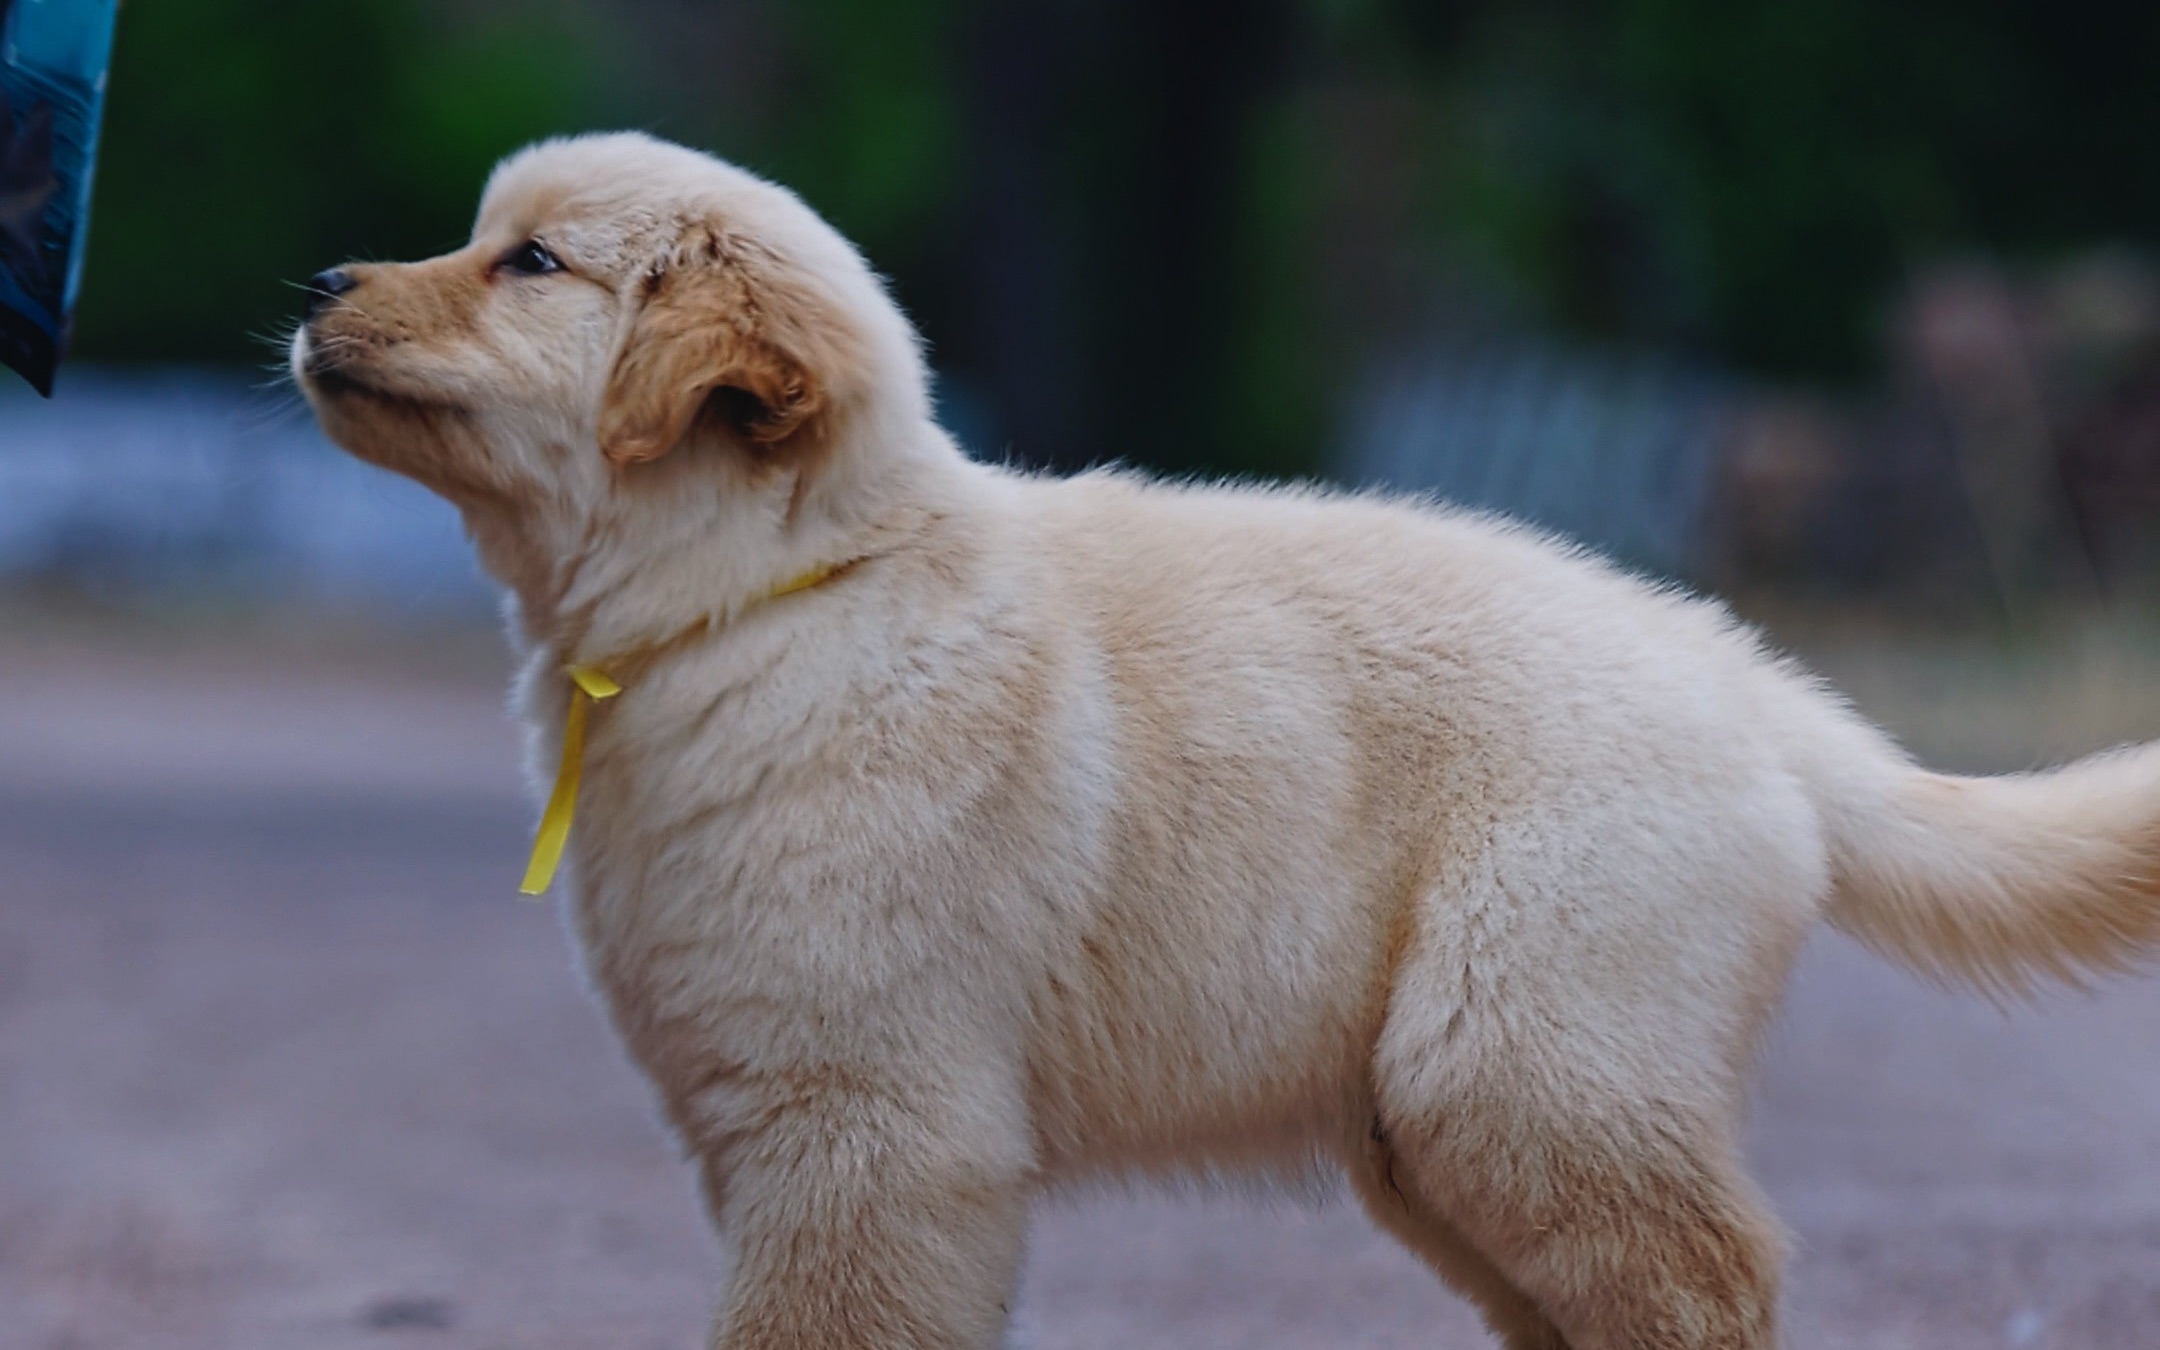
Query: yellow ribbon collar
[[590, 685]]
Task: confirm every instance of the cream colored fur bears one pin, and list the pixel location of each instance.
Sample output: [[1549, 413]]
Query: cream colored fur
[[1098, 826]]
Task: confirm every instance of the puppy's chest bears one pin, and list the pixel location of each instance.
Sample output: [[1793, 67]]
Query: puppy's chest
[[825, 851], [713, 934], [706, 847]]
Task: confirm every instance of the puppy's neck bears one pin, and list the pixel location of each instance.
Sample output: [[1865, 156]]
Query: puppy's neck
[[684, 544]]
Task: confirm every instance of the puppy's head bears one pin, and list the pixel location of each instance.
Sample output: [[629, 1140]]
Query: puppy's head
[[621, 301]]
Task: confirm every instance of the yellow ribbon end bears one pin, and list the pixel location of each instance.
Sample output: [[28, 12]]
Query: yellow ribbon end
[[594, 682], [587, 686]]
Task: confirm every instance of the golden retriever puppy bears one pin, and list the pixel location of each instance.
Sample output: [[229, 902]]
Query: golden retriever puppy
[[957, 833]]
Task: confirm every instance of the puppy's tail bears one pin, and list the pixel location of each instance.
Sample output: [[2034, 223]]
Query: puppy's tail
[[1996, 883]]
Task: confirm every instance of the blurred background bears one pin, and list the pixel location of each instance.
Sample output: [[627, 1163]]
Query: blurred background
[[1847, 310], [1814, 294]]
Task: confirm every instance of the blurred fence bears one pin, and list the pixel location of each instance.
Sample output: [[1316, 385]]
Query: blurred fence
[[185, 480], [1618, 454], [2006, 457], [188, 480]]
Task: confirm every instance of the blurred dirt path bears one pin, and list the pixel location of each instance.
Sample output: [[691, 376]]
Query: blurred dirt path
[[283, 1063]]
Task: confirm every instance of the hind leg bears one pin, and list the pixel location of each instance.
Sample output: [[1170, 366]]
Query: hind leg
[[1566, 1101], [1630, 1240], [1513, 1317]]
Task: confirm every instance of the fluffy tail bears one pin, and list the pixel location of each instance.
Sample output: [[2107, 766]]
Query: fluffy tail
[[1999, 882]]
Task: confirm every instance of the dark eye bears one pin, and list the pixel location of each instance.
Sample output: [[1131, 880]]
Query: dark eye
[[530, 258]]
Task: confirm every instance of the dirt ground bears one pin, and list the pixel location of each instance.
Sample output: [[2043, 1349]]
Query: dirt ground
[[284, 1063]]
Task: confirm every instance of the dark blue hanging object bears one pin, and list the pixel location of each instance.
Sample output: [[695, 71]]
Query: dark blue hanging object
[[53, 57]]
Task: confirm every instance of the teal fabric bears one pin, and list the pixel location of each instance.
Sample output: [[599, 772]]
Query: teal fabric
[[53, 60]]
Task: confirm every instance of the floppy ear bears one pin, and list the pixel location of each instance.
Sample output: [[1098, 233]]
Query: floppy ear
[[720, 326]]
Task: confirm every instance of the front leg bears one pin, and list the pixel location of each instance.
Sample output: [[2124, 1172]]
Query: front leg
[[866, 1217]]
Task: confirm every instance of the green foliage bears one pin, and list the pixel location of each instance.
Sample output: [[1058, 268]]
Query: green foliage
[[875, 132], [1218, 230], [1751, 179], [1280, 369], [250, 143]]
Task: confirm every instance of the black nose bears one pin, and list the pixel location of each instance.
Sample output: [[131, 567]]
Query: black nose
[[327, 286]]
